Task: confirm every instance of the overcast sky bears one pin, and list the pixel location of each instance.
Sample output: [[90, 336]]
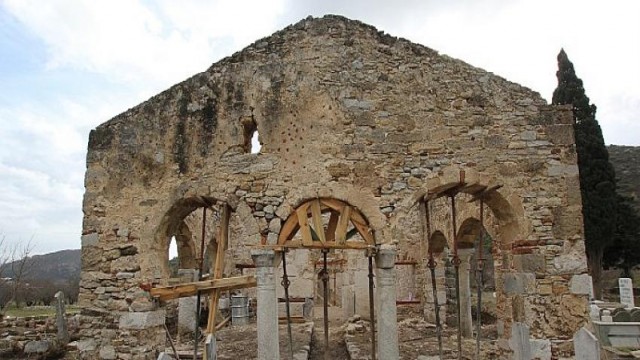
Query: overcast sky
[[66, 66]]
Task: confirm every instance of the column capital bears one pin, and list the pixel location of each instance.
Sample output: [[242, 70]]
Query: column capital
[[263, 257], [386, 256]]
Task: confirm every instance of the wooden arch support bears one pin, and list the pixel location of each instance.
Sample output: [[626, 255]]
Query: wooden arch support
[[307, 220]]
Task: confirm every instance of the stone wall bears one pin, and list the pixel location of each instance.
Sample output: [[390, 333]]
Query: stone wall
[[347, 112]]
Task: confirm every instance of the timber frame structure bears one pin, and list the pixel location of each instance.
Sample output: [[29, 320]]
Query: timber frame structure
[[364, 138]]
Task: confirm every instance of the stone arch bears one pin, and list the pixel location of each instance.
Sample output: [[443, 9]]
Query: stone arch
[[174, 223], [468, 232], [437, 242]]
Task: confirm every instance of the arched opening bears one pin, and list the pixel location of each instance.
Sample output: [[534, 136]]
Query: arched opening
[[480, 207], [477, 278], [184, 240], [337, 279]]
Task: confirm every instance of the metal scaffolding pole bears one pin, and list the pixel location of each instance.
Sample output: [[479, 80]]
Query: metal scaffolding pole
[[325, 305], [371, 308], [285, 284], [432, 269], [456, 265], [479, 278], [200, 266]]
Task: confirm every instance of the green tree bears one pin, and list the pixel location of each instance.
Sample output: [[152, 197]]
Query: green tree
[[624, 253], [597, 177]]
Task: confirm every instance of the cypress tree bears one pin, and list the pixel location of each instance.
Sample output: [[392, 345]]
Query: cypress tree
[[624, 253], [597, 177]]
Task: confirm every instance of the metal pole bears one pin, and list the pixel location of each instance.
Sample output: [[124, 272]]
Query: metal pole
[[197, 327], [325, 305], [479, 279], [456, 265], [432, 267], [372, 309], [285, 284]]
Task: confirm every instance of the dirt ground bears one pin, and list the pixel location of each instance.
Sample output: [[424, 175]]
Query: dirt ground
[[416, 337]]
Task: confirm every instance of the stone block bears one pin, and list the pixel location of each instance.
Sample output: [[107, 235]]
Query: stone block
[[187, 314], [89, 239], [581, 284], [519, 342], [519, 283], [141, 320], [529, 262], [108, 352], [36, 347], [541, 349]]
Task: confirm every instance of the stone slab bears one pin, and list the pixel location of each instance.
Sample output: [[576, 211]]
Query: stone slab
[[581, 284], [519, 342], [36, 347], [586, 345], [141, 320]]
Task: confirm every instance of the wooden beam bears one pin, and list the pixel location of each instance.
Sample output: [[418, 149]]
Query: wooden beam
[[340, 205], [223, 239], [333, 224], [192, 288], [296, 244], [303, 222], [316, 216], [364, 232], [289, 229], [223, 323], [343, 224]]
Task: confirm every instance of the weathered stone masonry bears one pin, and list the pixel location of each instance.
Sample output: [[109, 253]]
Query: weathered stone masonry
[[347, 112]]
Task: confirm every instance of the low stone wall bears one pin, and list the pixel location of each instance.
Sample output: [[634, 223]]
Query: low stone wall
[[34, 335]]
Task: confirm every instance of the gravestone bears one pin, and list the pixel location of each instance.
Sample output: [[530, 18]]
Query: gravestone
[[586, 345], [626, 292], [621, 315], [61, 321]]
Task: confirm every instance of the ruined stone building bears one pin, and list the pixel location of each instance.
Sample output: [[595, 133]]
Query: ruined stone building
[[346, 113]]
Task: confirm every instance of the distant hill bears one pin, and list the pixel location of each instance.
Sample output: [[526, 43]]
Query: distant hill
[[626, 162], [55, 267]]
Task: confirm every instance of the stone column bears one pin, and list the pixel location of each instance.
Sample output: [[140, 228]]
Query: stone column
[[61, 321], [268, 340], [387, 318], [466, 322]]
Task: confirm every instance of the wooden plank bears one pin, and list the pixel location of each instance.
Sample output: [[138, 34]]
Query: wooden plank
[[289, 229], [223, 323], [334, 204], [340, 205], [191, 289], [303, 222], [343, 224], [364, 232], [223, 238], [316, 216], [333, 224], [294, 320], [297, 244]]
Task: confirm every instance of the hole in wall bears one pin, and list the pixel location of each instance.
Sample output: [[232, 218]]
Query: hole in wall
[[174, 261], [252, 143]]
